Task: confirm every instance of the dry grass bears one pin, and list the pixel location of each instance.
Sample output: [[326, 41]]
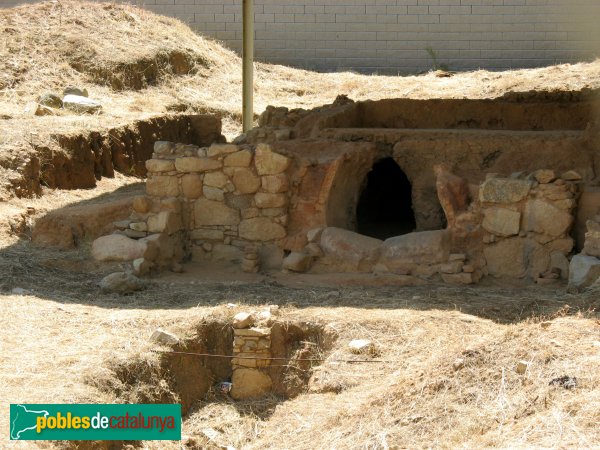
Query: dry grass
[[65, 339], [50, 45], [60, 340]]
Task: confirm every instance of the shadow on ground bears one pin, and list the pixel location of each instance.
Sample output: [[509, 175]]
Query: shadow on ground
[[72, 277]]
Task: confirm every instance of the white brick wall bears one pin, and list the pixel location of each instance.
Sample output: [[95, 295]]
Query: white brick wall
[[391, 36]]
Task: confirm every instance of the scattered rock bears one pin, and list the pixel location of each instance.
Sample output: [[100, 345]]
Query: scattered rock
[[164, 337], [51, 100], [522, 367], [243, 320], [73, 90], [457, 257], [583, 272], [297, 262], [82, 105], [458, 364], [565, 381], [121, 283], [20, 291], [141, 266], [362, 347], [35, 109], [249, 383], [116, 247]]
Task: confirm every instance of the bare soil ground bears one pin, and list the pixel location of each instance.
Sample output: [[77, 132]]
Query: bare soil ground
[[62, 340]]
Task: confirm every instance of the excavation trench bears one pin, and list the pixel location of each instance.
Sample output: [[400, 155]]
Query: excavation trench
[[275, 359]]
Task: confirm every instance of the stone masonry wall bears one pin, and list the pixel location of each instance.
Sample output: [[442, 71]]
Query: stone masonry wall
[[527, 220], [222, 201]]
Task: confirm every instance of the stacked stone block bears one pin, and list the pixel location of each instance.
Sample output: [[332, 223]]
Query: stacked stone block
[[225, 197], [251, 353], [527, 219], [251, 348]]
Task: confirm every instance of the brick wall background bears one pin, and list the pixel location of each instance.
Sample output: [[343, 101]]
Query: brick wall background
[[392, 36]]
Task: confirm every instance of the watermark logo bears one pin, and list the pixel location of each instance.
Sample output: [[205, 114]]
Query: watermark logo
[[102, 422]]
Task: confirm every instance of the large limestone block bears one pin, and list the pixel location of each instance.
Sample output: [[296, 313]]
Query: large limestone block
[[543, 218], [504, 190], [243, 158], [275, 183], [268, 162], [116, 247], [267, 200], [583, 271], [245, 181], [210, 212], [162, 186], [501, 221], [164, 222], [191, 185], [350, 250], [249, 383], [507, 258], [215, 179], [425, 247], [260, 229], [160, 165], [193, 164], [221, 149], [592, 241]]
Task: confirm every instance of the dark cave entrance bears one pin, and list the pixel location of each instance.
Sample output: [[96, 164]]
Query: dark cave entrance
[[385, 205]]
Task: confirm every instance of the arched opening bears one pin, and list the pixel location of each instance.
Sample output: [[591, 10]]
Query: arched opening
[[385, 205]]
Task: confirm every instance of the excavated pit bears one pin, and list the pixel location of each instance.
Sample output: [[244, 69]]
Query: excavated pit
[[180, 375]]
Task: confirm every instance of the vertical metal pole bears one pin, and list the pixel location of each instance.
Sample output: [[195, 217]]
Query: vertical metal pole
[[248, 65]]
